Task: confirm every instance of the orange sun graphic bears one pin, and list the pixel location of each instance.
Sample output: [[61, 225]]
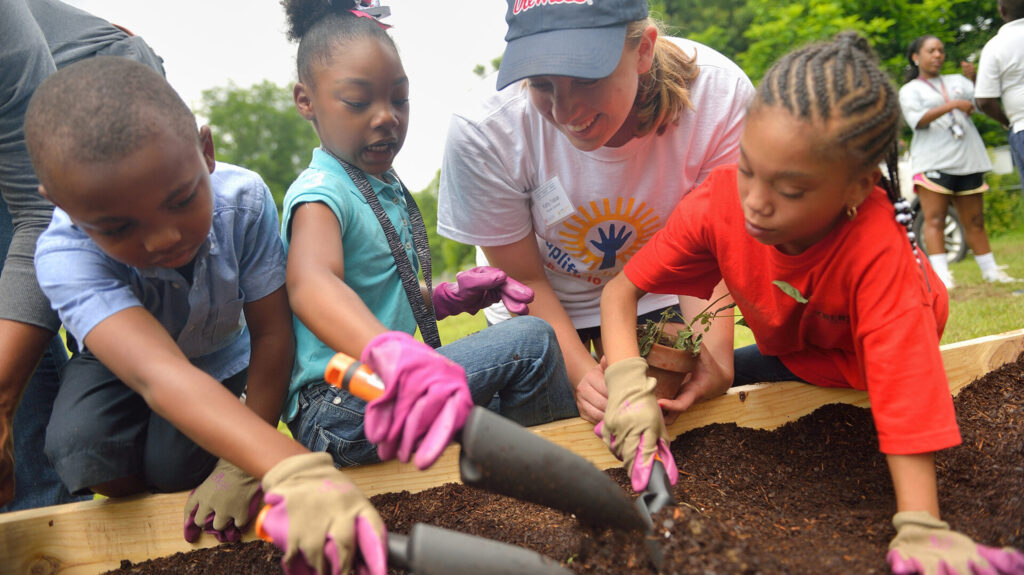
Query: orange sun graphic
[[590, 226]]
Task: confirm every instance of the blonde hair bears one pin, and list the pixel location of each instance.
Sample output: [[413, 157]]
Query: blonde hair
[[665, 89]]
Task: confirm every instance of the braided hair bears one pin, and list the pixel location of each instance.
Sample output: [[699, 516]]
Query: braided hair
[[321, 26], [840, 85]]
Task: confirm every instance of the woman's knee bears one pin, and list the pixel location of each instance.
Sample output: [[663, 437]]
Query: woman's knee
[[536, 334]]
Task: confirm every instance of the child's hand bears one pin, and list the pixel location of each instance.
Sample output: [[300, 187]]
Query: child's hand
[[478, 288], [224, 502], [925, 545], [633, 427], [320, 519], [425, 403]]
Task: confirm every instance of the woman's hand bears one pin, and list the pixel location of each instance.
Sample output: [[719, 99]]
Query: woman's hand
[[592, 394]]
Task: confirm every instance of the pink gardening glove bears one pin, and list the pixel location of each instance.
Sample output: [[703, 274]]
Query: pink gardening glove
[[633, 427], [320, 519], [425, 403], [478, 288], [925, 545]]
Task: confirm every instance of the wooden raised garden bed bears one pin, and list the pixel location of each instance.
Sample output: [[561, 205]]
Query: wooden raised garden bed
[[95, 536]]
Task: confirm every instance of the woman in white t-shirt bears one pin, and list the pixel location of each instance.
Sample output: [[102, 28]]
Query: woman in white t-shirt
[[598, 128], [947, 156]]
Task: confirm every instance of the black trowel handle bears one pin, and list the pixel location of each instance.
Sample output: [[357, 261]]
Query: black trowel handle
[[429, 550]]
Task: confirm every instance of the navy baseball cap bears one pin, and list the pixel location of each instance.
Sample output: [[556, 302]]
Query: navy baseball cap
[[576, 38]]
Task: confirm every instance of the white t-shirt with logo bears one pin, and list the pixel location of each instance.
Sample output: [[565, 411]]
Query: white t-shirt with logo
[[507, 172]]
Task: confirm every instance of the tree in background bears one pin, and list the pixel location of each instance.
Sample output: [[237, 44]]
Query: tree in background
[[756, 33], [259, 129], [447, 257]]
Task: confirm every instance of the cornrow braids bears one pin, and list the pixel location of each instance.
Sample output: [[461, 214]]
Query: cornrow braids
[[321, 26], [665, 89], [840, 85]]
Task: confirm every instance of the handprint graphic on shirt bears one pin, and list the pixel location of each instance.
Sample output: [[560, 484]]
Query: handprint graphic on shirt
[[610, 244]]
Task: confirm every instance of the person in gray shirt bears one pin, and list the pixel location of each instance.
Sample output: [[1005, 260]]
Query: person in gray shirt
[[37, 37]]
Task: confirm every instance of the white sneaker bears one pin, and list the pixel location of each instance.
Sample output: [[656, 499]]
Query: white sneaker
[[947, 278], [997, 275]]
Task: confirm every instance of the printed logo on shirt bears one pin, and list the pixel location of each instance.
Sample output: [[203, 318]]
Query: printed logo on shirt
[[600, 237], [831, 318]]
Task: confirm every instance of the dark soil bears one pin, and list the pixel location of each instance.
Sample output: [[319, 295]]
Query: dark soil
[[813, 496]]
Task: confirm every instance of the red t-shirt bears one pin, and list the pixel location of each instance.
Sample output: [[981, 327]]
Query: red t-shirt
[[873, 318]]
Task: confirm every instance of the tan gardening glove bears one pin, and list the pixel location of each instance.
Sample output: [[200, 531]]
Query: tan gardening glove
[[925, 545], [633, 426], [224, 504], [320, 519]]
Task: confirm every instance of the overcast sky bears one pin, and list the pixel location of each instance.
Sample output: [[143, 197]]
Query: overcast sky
[[206, 43]]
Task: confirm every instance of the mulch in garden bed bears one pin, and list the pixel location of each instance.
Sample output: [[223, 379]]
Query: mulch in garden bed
[[813, 496]]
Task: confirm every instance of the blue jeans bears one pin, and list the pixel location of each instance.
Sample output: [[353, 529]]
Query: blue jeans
[[36, 481], [514, 368], [752, 367], [1017, 153]]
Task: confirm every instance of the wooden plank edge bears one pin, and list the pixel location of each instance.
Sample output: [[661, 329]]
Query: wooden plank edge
[[94, 536]]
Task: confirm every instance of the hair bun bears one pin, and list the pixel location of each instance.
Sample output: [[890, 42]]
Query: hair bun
[[301, 15]]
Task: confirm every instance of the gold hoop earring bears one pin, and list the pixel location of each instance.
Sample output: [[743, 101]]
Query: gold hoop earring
[[851, 212]]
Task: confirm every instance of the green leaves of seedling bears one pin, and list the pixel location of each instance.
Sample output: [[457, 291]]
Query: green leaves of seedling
[[790, 291]]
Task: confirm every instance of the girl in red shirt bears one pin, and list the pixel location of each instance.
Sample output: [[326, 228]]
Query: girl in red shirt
[[803, 210]]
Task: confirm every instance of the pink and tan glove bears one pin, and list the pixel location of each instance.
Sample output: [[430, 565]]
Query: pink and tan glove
[[477, 288], [320, 519], [425, 403], [925, 545], [225, 502], [633, 427]]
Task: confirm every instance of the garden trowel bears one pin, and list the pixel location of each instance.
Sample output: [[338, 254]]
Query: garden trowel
[[430, 550], [657, 495], [503, 457]]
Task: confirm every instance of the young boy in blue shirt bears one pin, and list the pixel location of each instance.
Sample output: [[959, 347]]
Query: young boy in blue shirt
[[167, 266]]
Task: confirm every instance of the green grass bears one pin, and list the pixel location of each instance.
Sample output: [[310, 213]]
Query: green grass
[[976, 308]]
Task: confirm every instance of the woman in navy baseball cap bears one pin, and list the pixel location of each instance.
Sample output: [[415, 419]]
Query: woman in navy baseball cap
[[599, 125]]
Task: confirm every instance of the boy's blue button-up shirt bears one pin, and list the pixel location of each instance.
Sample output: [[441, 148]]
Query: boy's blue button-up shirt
[[241, 261]]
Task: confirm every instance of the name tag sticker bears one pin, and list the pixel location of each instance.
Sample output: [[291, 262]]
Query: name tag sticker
[[550, 204]]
